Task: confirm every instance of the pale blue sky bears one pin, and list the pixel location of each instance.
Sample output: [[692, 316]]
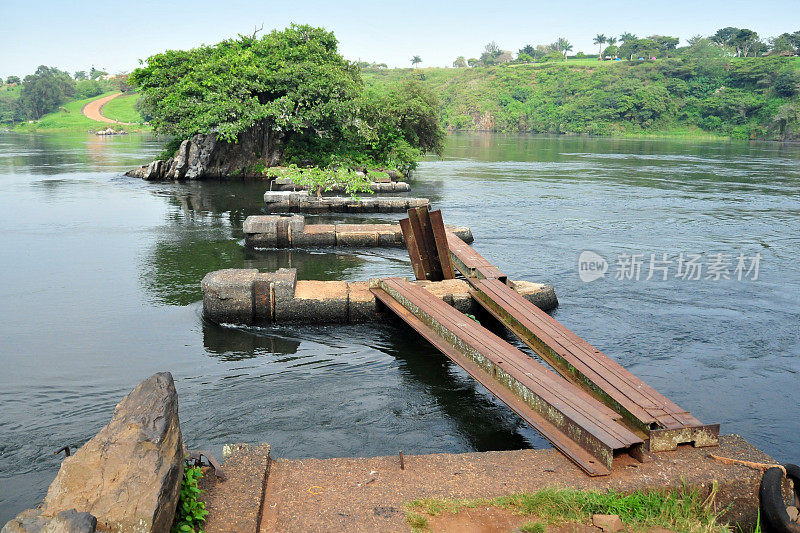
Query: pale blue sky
[[75, 35]]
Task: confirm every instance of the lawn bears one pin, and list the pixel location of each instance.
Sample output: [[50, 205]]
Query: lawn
[[123, 109], [69, 118]]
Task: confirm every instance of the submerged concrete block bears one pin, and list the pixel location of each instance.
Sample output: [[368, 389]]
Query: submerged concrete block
[[315, 301], [247, 296], [275, 231], [228, 295], [362, 306], [302, 202]]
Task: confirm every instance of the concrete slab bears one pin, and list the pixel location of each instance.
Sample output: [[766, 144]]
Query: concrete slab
[[234, 504], [369, 494]]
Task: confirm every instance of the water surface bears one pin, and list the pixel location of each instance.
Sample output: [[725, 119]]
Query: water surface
[[101, 273]]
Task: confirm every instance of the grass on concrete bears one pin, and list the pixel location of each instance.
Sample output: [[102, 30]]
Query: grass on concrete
[[70, 119], [123, 109], [684, 511]]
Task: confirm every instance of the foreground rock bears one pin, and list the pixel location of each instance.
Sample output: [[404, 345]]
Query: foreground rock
[[33, 520], [111, 131], [204, 156], [129, 474]]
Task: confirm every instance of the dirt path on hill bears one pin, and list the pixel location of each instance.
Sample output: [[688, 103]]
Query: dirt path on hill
[[94, 110]]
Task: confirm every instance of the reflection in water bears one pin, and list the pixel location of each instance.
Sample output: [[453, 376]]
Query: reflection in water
[[482, 420], [232, 343]]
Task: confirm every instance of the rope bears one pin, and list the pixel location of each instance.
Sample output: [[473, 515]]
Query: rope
[[749, 464]]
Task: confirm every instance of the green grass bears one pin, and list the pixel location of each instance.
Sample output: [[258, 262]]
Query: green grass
[[123, 109], [684, 511], [416, 522], [70, 119]]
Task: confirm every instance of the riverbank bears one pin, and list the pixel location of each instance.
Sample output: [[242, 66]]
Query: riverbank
[[70, 119], [737, 98]]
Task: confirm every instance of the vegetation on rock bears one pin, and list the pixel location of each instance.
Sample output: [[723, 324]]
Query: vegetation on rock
[[296, 83], [191, 512]]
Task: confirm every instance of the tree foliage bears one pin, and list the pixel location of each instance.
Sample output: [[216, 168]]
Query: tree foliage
[[45, 90], [296, 83]]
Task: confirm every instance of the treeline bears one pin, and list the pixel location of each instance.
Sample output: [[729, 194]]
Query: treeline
[[702, 88], [48, 88], [735, 42]]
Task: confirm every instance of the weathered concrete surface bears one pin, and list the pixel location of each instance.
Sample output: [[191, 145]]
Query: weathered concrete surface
[[286, 184], [129, 474], [247, 296], [369, 494], [275, 231], [33, 521], [204, 156], [234, 504], [302, 202]]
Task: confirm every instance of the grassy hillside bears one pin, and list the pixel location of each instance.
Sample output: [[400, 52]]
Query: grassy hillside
[[123, 109], [70, 119], [738, 98]]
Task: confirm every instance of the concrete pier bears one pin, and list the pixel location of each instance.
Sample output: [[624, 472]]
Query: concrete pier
[[303, 202], [275, 231], [286, 184], [247, 296], [366, 494]]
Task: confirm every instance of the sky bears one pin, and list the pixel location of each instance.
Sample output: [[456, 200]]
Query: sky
[[114, 36]]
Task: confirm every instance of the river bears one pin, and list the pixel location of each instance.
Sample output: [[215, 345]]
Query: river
[[101, 273]]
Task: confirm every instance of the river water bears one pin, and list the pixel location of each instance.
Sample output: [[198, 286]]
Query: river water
[[100, 289]]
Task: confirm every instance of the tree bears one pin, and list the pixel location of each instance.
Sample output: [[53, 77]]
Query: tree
[[627, 36], [787, 84], [80, 75], [563, 46], [527, 49], [473, 61], [293, 87], [600, 40], [491, 52], [416, 60], [665, 45], [460, 62], [45, 90], [524, 58], [95, 73], [12, 80]]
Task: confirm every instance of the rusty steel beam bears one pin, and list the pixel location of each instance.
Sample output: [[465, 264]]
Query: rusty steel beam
[[582, 428], [648, 412]]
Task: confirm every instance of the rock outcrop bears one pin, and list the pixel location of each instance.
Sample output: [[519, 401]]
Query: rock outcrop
[[33, 521], [205, 156], [129, 475]]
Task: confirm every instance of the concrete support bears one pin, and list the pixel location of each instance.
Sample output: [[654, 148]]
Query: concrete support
[[303, 202], [274, 231], [247, 296]]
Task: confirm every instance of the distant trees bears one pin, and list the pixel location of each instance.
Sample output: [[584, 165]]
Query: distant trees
[[742, 41], [96, 73], [80, 75], [416, 60], [600, 40], [473, 61], [12, 79], [491, 52], [562, 45], [45, 90], [460, 62]]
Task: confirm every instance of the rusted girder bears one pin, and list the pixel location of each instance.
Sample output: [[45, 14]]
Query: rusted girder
[[582, 428]]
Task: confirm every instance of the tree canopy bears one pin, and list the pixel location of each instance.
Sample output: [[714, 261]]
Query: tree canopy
[[296, 82]]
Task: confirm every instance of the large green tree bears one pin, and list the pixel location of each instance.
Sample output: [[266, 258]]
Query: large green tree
[[45, 90], [295, 83]]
